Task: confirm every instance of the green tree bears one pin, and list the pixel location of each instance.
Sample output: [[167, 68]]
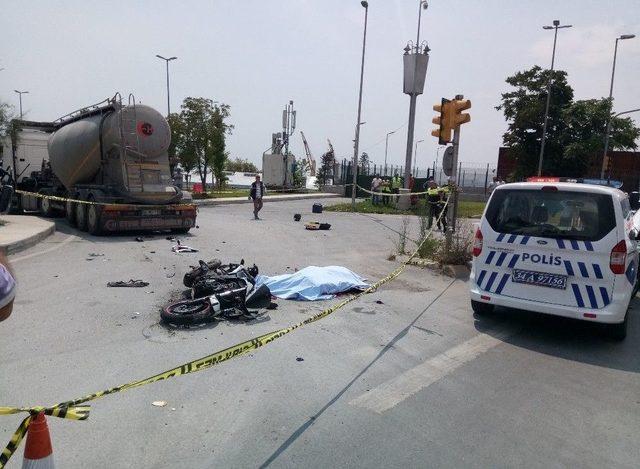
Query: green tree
[[240, 165], [364, 163], [198, 135], [585, 127], [523, 108], [6, 114], [325, 172]]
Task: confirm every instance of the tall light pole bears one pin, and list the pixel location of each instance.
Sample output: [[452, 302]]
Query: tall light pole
[[386, 148], [415, 71], [20, 93], [415, 157], [556, 26], [167, 63], [613, 72], [356, 145]]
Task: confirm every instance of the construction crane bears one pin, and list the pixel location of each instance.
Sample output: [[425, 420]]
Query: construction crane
[[310, 159]]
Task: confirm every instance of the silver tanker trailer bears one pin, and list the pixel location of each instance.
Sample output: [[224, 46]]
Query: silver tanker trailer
[[109, 154]]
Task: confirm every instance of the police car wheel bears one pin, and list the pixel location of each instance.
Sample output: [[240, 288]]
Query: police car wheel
[[618, 331], [481, 309]]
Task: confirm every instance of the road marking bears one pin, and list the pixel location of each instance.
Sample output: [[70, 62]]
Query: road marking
[[396, 390], [67, 240]]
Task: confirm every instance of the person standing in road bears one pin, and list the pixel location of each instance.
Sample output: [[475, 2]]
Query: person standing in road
[[396, 184], [7, 289], [376, 183], [258, 191], [433, 201]]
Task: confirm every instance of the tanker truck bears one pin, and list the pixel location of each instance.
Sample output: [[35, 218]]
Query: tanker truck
[[111, 155]]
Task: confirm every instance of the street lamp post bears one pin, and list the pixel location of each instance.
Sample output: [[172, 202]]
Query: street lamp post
[[356, 145], [415, 157], [20, 93], [613, 72], [386, 149], [556, 26], [415, 71], [167, 63]]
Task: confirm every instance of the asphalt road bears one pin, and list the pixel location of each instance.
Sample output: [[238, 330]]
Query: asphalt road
[[416, 381]]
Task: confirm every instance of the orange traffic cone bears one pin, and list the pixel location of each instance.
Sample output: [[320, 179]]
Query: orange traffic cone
[[38, 453]]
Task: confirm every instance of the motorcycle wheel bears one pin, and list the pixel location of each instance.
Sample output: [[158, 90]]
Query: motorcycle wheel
[[188, 312]]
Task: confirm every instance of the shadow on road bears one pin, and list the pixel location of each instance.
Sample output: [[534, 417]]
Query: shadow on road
[[302, 428], [62, 226], [571, 339]]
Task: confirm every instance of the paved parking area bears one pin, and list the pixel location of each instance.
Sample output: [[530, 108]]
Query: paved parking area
[[413, 381]]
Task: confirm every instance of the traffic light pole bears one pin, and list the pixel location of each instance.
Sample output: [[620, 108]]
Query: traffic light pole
[[452, 213]]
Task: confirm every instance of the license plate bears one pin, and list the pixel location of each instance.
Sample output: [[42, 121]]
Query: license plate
[[150, 213], [540, 279]]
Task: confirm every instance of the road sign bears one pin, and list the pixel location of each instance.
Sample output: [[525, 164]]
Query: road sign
[[447, 161]]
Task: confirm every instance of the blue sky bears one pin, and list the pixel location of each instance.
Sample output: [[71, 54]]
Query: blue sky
[[256, 55]]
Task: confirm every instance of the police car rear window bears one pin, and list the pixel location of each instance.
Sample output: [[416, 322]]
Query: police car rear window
[[552, 214]]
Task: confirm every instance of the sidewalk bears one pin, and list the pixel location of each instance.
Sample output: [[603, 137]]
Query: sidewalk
[[23, 231], [267, 198]]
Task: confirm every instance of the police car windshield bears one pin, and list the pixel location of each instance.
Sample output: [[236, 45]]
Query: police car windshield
[[552, 214]]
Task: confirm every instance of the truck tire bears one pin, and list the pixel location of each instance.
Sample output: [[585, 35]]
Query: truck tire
[[70, 213], [81, 216], [94, 226], [481, 309], [45, 208], [180, 230]]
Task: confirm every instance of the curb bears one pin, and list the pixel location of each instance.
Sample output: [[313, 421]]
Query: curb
[[267, 199], [30, 241]]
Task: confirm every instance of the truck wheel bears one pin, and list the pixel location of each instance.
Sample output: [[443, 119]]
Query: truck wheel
[[93, 219], [70, 213], [481, 309], [618, 332], [180, 230], [81, 216], [44, 205]]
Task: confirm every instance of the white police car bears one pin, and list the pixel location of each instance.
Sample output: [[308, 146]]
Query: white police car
[[557, 248]]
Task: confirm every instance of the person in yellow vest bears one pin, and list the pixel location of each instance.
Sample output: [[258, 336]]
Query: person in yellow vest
[[433, 200], [385, 188], [396, 184], [443, 207]]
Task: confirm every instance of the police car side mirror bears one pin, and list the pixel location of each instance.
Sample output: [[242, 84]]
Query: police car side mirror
[[634, 234]]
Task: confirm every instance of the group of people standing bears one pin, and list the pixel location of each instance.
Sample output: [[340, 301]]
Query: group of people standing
[[386, 186], [436, 196]]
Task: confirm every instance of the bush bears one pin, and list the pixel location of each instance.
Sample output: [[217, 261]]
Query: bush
[[459, 252]]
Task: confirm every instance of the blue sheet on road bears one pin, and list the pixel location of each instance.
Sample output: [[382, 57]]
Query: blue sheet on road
[[313, 283]]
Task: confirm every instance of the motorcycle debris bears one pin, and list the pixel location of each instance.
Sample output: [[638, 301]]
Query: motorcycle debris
[[299, 359], [130, 283], [139, 239], [159, 403]]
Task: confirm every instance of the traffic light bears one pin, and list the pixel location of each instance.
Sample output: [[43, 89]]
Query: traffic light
[[458, 106], [443, 121]]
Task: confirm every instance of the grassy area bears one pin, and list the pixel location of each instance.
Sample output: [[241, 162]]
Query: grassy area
[[465, 209]]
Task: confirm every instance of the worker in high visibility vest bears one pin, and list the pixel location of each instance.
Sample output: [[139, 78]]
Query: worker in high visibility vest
[[396, 184], [433, 198]]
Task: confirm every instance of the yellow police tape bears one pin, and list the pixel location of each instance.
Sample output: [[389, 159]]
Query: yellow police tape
[[73, 410], [78, 201], [445, 189]]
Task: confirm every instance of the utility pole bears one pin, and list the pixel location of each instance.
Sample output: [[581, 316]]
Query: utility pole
[[168, 97], [20, 93], [288, 127], [415, 72], [356, 144], [386, 148], [556, 26], [608, 131]]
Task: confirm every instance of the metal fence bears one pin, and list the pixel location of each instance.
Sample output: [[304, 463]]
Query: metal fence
[[471, 176]]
